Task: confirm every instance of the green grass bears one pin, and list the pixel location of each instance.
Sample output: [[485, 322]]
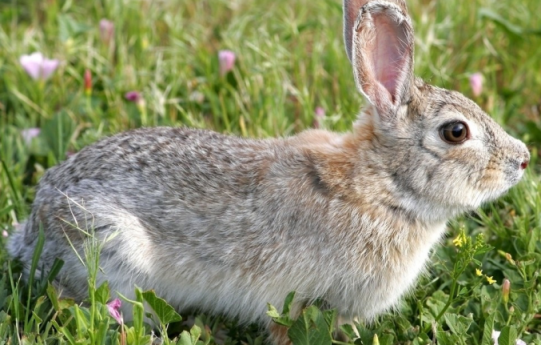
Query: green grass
[[290, 60]]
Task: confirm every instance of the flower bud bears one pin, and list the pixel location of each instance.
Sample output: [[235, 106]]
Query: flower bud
[[476, 84], [88, 82], [510, 259], [226, 59], [506, 287], [107, 31], [319, 116], [132, 96]]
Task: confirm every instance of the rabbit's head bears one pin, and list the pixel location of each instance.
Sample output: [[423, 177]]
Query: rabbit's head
[[441, 152]]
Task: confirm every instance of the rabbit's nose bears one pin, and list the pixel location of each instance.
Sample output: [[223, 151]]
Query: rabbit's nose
[[524, 164]]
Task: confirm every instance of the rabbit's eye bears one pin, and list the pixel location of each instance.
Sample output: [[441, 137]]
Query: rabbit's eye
[[454, 132]]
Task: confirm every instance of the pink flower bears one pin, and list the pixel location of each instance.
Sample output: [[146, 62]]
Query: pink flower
[[137, 98], [37, 66], [319, 115], [133, 96], [5, 233], [476, 84], [114, 310], [227, 61], [107, 31], [30, 133]]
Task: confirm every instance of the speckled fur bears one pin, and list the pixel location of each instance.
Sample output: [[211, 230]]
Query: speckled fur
[[226, 224]]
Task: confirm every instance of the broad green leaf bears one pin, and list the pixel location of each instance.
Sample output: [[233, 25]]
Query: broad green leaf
[[366, 335], [287, 303], [347, 329], [386, 339], [185, 339], [330, 318], [165, 313], [195, 333], [53, 297], [508, 336], [446, 338], [487, 330], [310, 328], [458, 324], [102, 293], [82, 320]]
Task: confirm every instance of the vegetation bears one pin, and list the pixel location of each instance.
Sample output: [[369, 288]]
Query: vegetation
[[290, 73]]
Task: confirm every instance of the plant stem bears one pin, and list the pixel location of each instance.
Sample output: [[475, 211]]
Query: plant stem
[[447, 305]]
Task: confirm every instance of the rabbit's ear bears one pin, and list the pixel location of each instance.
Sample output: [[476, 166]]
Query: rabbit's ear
[[351, 11], [382, 52]]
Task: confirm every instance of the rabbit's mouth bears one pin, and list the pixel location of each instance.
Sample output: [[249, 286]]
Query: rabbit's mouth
[[502, 174], [514, 175], [456, 195]]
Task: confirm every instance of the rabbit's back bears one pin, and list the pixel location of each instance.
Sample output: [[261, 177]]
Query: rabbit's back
[[162, 158], [191, 210], [180, 182]]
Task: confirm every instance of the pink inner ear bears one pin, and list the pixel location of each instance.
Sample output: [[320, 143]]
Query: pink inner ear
[[388, 54]]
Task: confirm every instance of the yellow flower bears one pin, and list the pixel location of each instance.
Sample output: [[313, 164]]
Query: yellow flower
[[459, 240], [490, 280], [478, 272]]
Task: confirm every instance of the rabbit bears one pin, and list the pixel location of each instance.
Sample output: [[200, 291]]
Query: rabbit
[[226, 224]]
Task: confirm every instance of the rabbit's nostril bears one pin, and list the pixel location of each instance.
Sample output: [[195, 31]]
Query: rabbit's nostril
[[524, 164]]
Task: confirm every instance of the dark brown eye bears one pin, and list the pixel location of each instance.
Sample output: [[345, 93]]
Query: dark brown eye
[[454, 133]]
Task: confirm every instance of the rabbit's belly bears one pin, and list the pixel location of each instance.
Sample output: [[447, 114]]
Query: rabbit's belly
[[188, 276]]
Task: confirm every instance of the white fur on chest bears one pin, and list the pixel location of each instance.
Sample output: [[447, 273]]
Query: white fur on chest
[[386, 278]]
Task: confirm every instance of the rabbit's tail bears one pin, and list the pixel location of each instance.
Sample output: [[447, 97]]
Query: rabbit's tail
[[19, 245]]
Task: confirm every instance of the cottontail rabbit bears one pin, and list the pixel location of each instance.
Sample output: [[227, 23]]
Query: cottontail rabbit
[[226, 224]]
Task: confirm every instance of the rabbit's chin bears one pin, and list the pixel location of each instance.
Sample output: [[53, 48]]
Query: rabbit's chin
[[434, 211]]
